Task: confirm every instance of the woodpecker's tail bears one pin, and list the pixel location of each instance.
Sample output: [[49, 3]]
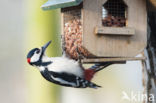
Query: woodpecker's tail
[[93, 85], [89, 73], [100, 66]]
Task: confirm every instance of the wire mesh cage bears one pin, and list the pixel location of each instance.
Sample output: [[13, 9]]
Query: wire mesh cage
[[73, 32], [114, 13]]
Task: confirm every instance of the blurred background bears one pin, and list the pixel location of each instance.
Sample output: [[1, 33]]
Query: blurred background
[[23, 26]]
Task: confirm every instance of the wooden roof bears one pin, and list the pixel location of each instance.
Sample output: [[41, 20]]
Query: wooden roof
[[54, 4]]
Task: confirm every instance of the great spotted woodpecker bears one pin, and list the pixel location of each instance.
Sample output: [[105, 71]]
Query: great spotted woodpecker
[[62, 70]]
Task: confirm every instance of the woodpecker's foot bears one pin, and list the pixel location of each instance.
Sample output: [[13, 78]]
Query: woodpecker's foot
[[63, 43], [79, 55]]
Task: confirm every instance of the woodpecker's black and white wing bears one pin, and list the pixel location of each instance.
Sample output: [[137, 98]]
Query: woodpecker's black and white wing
[[68, 80]]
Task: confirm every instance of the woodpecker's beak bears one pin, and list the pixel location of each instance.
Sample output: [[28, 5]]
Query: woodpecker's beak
[[45, 46]]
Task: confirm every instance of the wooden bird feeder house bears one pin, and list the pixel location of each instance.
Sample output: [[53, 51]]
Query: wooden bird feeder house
[[103, 30]]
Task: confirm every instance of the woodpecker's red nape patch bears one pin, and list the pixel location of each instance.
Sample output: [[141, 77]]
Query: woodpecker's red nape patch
[[89, 74], [28, 60]]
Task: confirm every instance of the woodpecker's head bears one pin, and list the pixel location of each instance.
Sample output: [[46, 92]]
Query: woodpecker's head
[[36, 54]]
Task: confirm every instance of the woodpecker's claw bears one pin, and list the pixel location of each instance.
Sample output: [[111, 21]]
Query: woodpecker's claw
[[45, 46]]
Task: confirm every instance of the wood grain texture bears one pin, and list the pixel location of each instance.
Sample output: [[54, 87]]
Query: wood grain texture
[[115, 31], [114, 46]]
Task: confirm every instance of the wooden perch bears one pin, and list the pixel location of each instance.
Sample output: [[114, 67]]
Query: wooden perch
[[97, 60]]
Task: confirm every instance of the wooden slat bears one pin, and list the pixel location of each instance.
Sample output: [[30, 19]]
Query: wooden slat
[[115, 30], [97, 60]]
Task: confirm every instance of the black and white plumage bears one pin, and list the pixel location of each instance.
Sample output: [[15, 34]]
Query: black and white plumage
[[66, 79], [61, 70]]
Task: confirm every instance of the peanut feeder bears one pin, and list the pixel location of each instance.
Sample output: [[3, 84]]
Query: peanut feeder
[[107, 29]]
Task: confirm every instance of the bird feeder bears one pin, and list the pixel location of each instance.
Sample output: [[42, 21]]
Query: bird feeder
[[102, 30]]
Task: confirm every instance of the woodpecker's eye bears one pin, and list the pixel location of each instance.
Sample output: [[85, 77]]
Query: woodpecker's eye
[[38, 51]]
